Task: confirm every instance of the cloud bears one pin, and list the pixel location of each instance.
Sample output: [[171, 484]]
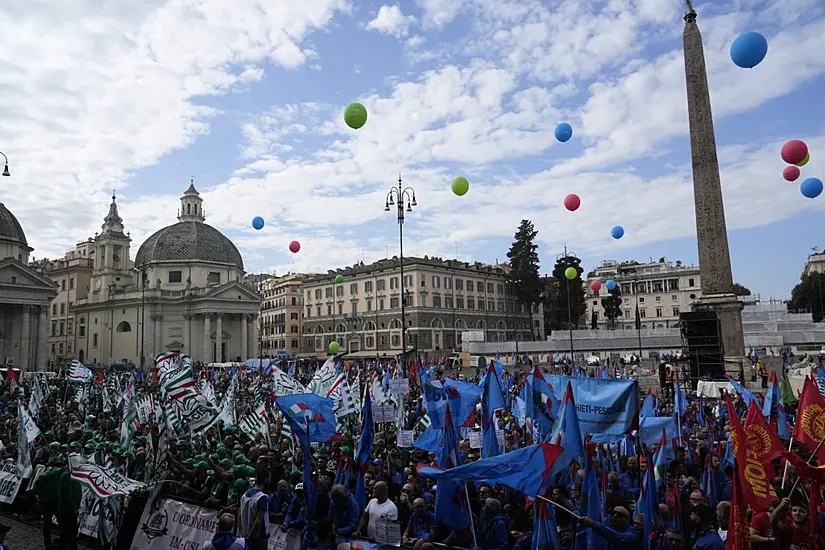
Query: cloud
[[391, 20]]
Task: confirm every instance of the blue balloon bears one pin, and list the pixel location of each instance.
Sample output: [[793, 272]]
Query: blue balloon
[[610, 284], [749, 49], [617, 232], [564, 132], [811, 187], [258, 223]]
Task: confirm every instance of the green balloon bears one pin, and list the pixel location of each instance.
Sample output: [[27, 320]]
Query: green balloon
[[571, 273], [805, 160], [334, 347], [460, 186], [355, 115], [339, 279]]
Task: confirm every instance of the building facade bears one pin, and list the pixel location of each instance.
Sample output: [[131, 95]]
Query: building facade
[[662, 290], [815, 263], [183, 292], [443, 299], [282, 314], [25, 296], [72, 276]]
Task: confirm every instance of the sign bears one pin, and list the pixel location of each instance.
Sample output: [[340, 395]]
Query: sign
[[88, 515], [406, 438], [501, 441], [476, 438], [388, 532], [603, 406], [383, 413], [169, 524], [9, 483], [283, 539], [399, 386]]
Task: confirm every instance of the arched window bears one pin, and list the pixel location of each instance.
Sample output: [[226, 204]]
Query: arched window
[[436, 323], [124, 326], [341, 328], [395, 323], [319, 329], [500, 325], [188, 208], [481, 324], [369, 325], [460, 324]]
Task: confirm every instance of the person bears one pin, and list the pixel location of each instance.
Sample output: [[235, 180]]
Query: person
[[68, 503], [296, 517], [280, 502], [379, 508], [255, 513], [722, 518], [422, 524], [493, 533], [343, 510], [621, 534], [707, 538], [325, 535], [4, 530], [793, 536], [225, 539]]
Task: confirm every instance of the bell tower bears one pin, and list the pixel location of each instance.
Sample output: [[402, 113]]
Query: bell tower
[[112, 267], [191, 205]]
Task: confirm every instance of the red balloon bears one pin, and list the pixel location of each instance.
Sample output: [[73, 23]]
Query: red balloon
[[572, 202], [794, 151], [596, 286], [294, 247], [790, 173]]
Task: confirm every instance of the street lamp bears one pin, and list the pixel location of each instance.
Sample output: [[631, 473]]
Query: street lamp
[[6, 165], [396, 197]]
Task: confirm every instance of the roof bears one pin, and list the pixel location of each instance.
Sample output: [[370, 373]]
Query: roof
[[10, 228], [188, 241]]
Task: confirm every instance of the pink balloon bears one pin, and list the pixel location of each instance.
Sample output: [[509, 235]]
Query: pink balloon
[[294, 247], [794, 151], [572, 202], [790, 173], [596, 286]]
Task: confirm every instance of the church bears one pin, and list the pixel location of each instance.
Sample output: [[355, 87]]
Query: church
[[183, 292], [25, 295]]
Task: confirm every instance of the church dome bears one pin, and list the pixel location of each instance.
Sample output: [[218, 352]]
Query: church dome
[[10, 228], [188, 241]]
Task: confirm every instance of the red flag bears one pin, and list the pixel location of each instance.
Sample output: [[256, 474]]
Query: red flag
[[748, 446], [100, 377], [810, 425], [739, 533], [803, 469]]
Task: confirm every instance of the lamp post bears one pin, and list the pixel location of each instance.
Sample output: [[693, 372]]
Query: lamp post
[[6, 165], [143, 279], [396, 197]]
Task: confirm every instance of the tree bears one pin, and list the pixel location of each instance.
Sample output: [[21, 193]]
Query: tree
[[524, 265], [809, 295], [741, 290], [574, 288], [612, 305]]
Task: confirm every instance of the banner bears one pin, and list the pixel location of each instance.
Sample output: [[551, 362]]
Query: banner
[[9, 483], [283, 539], [103, 482], [88, 515], [602, 405], [171, 524]]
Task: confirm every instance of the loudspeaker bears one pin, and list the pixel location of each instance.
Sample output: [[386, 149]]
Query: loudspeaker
[[702, 335]]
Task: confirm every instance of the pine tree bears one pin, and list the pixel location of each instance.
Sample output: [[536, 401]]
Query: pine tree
[[576, 292], [524, 267]]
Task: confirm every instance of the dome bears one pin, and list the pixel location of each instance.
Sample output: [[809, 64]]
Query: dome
[[10, 228], [188, 241]]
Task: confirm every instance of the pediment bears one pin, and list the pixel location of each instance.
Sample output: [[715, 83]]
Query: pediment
[[233, 291], [14, 273]]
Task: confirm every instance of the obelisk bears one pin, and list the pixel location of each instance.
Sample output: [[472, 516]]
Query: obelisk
[[711, 232]]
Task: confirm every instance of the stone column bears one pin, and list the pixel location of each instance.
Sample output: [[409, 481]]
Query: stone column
[[207, 338], [25, 340], [187, 337], [219, 339], [157, 337], [244, 337], [43, 337], [254, 346]]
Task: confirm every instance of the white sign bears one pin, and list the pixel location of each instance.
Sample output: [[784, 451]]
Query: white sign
[[9, 483], [171, 524], [388, 532], [476, 438], [88, 516], [501, 442], [399, 386], [283, 539], [406, 438], [383, 413]]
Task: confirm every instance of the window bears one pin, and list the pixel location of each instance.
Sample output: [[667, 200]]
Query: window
[[674, 297], [317, 293], [471, 303], [213, 278], [469, 285], [658, 298], [62, 308], [643, 313], [355, 308], [481, 305], [293, 329], [94, 340], [490, 288], [422, 299], [673, 284], [501, 306], [381, 284], [329, 310], [690, 282], [62, 287], [595, 317], [123, 326], [423, 281], [448, 302], [328, 292], [353, 289], [53, 349], [459, 303], [658, 312], [81, 331], [479, 286], [500, 288], [339, 290], [396, 340], [309, 311], [367, 286], [71, 283], [459, 284], [393, 283], [294, 301], [676, 312], [175, 276], [62, 328], [381, 304], [491, 306], [436, 281], [394, 303], [369, 305], [448, 283], [60, 348], [408, 282], [436, 301], [293, 316], [318, 310], [54, 328], [641, 300], [54, 309], [595, 302]]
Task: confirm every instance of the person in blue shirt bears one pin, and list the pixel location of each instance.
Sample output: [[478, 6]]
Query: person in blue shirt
[[296, 516], [630, 478], [280, 502], [622, 535], [344, 510], [224, 539], [255, 512], [492, 533], [422, 524], [707, 538]]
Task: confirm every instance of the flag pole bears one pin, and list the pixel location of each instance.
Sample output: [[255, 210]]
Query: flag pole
[[785, 473], [470, 512], [557, 505], [810, 458]]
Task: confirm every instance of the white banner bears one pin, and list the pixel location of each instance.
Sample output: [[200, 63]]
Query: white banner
[[9, 483], [172, 524], [283, 539], [88, 516]]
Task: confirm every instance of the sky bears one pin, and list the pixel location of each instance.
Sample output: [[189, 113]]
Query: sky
[[247, 96]]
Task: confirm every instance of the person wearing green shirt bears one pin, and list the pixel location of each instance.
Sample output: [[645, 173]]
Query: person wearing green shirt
[[46, 488], [68, 503]]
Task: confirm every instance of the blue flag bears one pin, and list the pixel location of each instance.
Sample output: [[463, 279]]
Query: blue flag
[[647, 406], [304, 410], [590, 505], [567, 435], [650, 429], [462, 397], [450, 499], [746, 394], [489, 445], [545, 533], [363, 454], [773, 405], [603, 406]]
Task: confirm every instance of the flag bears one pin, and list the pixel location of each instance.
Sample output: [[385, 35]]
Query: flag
[[24, 459], [664, 455], [451, 499], [363, 454], [489, 444], [679, 401], [524, 470], [28, 425], [309, 409], [756, 489], [590, 505], [808, 428], [255, 422], [746, 394], [739, 533], [79, 373], [324, 378], [567, 434], [462, 397], [545, 533], [102, 481], [774, 410], [343, 403]]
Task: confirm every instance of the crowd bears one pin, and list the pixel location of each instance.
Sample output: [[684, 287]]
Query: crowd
[[673, 490]]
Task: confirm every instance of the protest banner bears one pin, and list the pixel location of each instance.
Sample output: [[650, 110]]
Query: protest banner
[[168, 523], [603, 406], [9, 483]]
